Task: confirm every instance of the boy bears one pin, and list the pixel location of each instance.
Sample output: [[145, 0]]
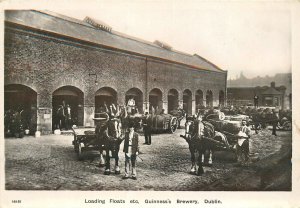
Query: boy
[[131, 150]]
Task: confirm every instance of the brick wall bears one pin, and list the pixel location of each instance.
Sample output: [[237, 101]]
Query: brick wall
[[46, 63]]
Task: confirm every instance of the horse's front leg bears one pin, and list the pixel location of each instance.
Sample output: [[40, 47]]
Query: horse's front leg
[[107, 163], [117, 168], [102, 161], [193, 159], [200, 164]]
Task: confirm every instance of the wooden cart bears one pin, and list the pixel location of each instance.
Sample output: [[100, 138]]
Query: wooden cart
[[84, 140]]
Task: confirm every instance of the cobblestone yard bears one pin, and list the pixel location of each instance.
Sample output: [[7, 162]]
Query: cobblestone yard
[[50, 163]]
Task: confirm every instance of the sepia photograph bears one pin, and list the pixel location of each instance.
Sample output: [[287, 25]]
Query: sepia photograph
[[148, 97]]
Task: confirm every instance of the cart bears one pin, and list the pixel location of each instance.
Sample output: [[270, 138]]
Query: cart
[[163, 122], [84, 140]]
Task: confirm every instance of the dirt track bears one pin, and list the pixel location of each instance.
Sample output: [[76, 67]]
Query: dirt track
[[50, 163]]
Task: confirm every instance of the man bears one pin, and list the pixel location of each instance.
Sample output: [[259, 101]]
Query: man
[[275, 118], [242, 147], [245, 129], [256, 101], [131, 150], [68, 117], [61, 117], [131, 105], [147, 128]]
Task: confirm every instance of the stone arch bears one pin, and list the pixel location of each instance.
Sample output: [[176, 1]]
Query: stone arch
[[137, 95], [105, 95], [23, 99], [155, 100], [173, 96], [68, 96], [187, 101], [199, 99]]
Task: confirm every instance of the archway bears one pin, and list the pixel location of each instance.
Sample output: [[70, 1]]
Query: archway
[[172, 100], [209, 98], [67, 96], [22, 99], [105, 95], [137, 95], [155, 100], [187, 101], [221, 98], [199, 99]]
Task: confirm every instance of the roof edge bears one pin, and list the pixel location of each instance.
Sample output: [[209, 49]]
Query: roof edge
[[70, 38], [209, 62]]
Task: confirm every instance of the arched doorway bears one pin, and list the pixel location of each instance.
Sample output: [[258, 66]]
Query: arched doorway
[[187, 101], [221, 98], [22, 99], [209, 98], [155, 100], [199, 99], [67, 96], [105, 95], [137, 95], [172, 100]]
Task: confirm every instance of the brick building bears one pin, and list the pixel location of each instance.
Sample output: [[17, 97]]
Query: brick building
[[51, 59], [269, 96]]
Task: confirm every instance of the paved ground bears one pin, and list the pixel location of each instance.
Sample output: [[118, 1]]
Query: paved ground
[[50, 163]]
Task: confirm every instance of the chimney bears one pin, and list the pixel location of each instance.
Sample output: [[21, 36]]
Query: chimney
[[273, 84]]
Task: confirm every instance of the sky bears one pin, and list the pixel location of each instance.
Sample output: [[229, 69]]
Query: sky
[[253, 38]]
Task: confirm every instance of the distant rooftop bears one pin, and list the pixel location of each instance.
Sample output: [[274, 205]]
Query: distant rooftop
[[100, 33]]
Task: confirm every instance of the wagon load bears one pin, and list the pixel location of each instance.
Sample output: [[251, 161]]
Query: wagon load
[[229, 129], [163, 122]]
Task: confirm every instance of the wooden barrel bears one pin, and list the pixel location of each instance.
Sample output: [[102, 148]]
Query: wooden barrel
[[161, 122]]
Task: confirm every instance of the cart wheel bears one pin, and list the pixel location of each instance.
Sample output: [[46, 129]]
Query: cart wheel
[[173, 125], [287, 126], [76, 148], [79, 151]]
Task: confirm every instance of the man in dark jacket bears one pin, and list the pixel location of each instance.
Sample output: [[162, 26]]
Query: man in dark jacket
[[147, 128], [131, 150]]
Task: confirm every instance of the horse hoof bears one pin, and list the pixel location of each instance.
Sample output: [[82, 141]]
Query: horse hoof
[[193, 172], [106, 173], [117, 172]]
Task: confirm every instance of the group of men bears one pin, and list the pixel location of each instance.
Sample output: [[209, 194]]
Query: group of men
[[64, 116]]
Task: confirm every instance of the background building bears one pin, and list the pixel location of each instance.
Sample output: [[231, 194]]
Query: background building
[[52, 60], [267, 96], [242, 90]]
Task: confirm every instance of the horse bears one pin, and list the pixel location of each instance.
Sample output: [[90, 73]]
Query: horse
[[109, 135], [260, 119], [197, 142]]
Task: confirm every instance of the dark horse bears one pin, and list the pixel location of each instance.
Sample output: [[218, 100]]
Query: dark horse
[[261, 119], [109, 136], [196, 132]]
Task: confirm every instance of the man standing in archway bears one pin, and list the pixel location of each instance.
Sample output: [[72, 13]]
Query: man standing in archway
[[131, 105]]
